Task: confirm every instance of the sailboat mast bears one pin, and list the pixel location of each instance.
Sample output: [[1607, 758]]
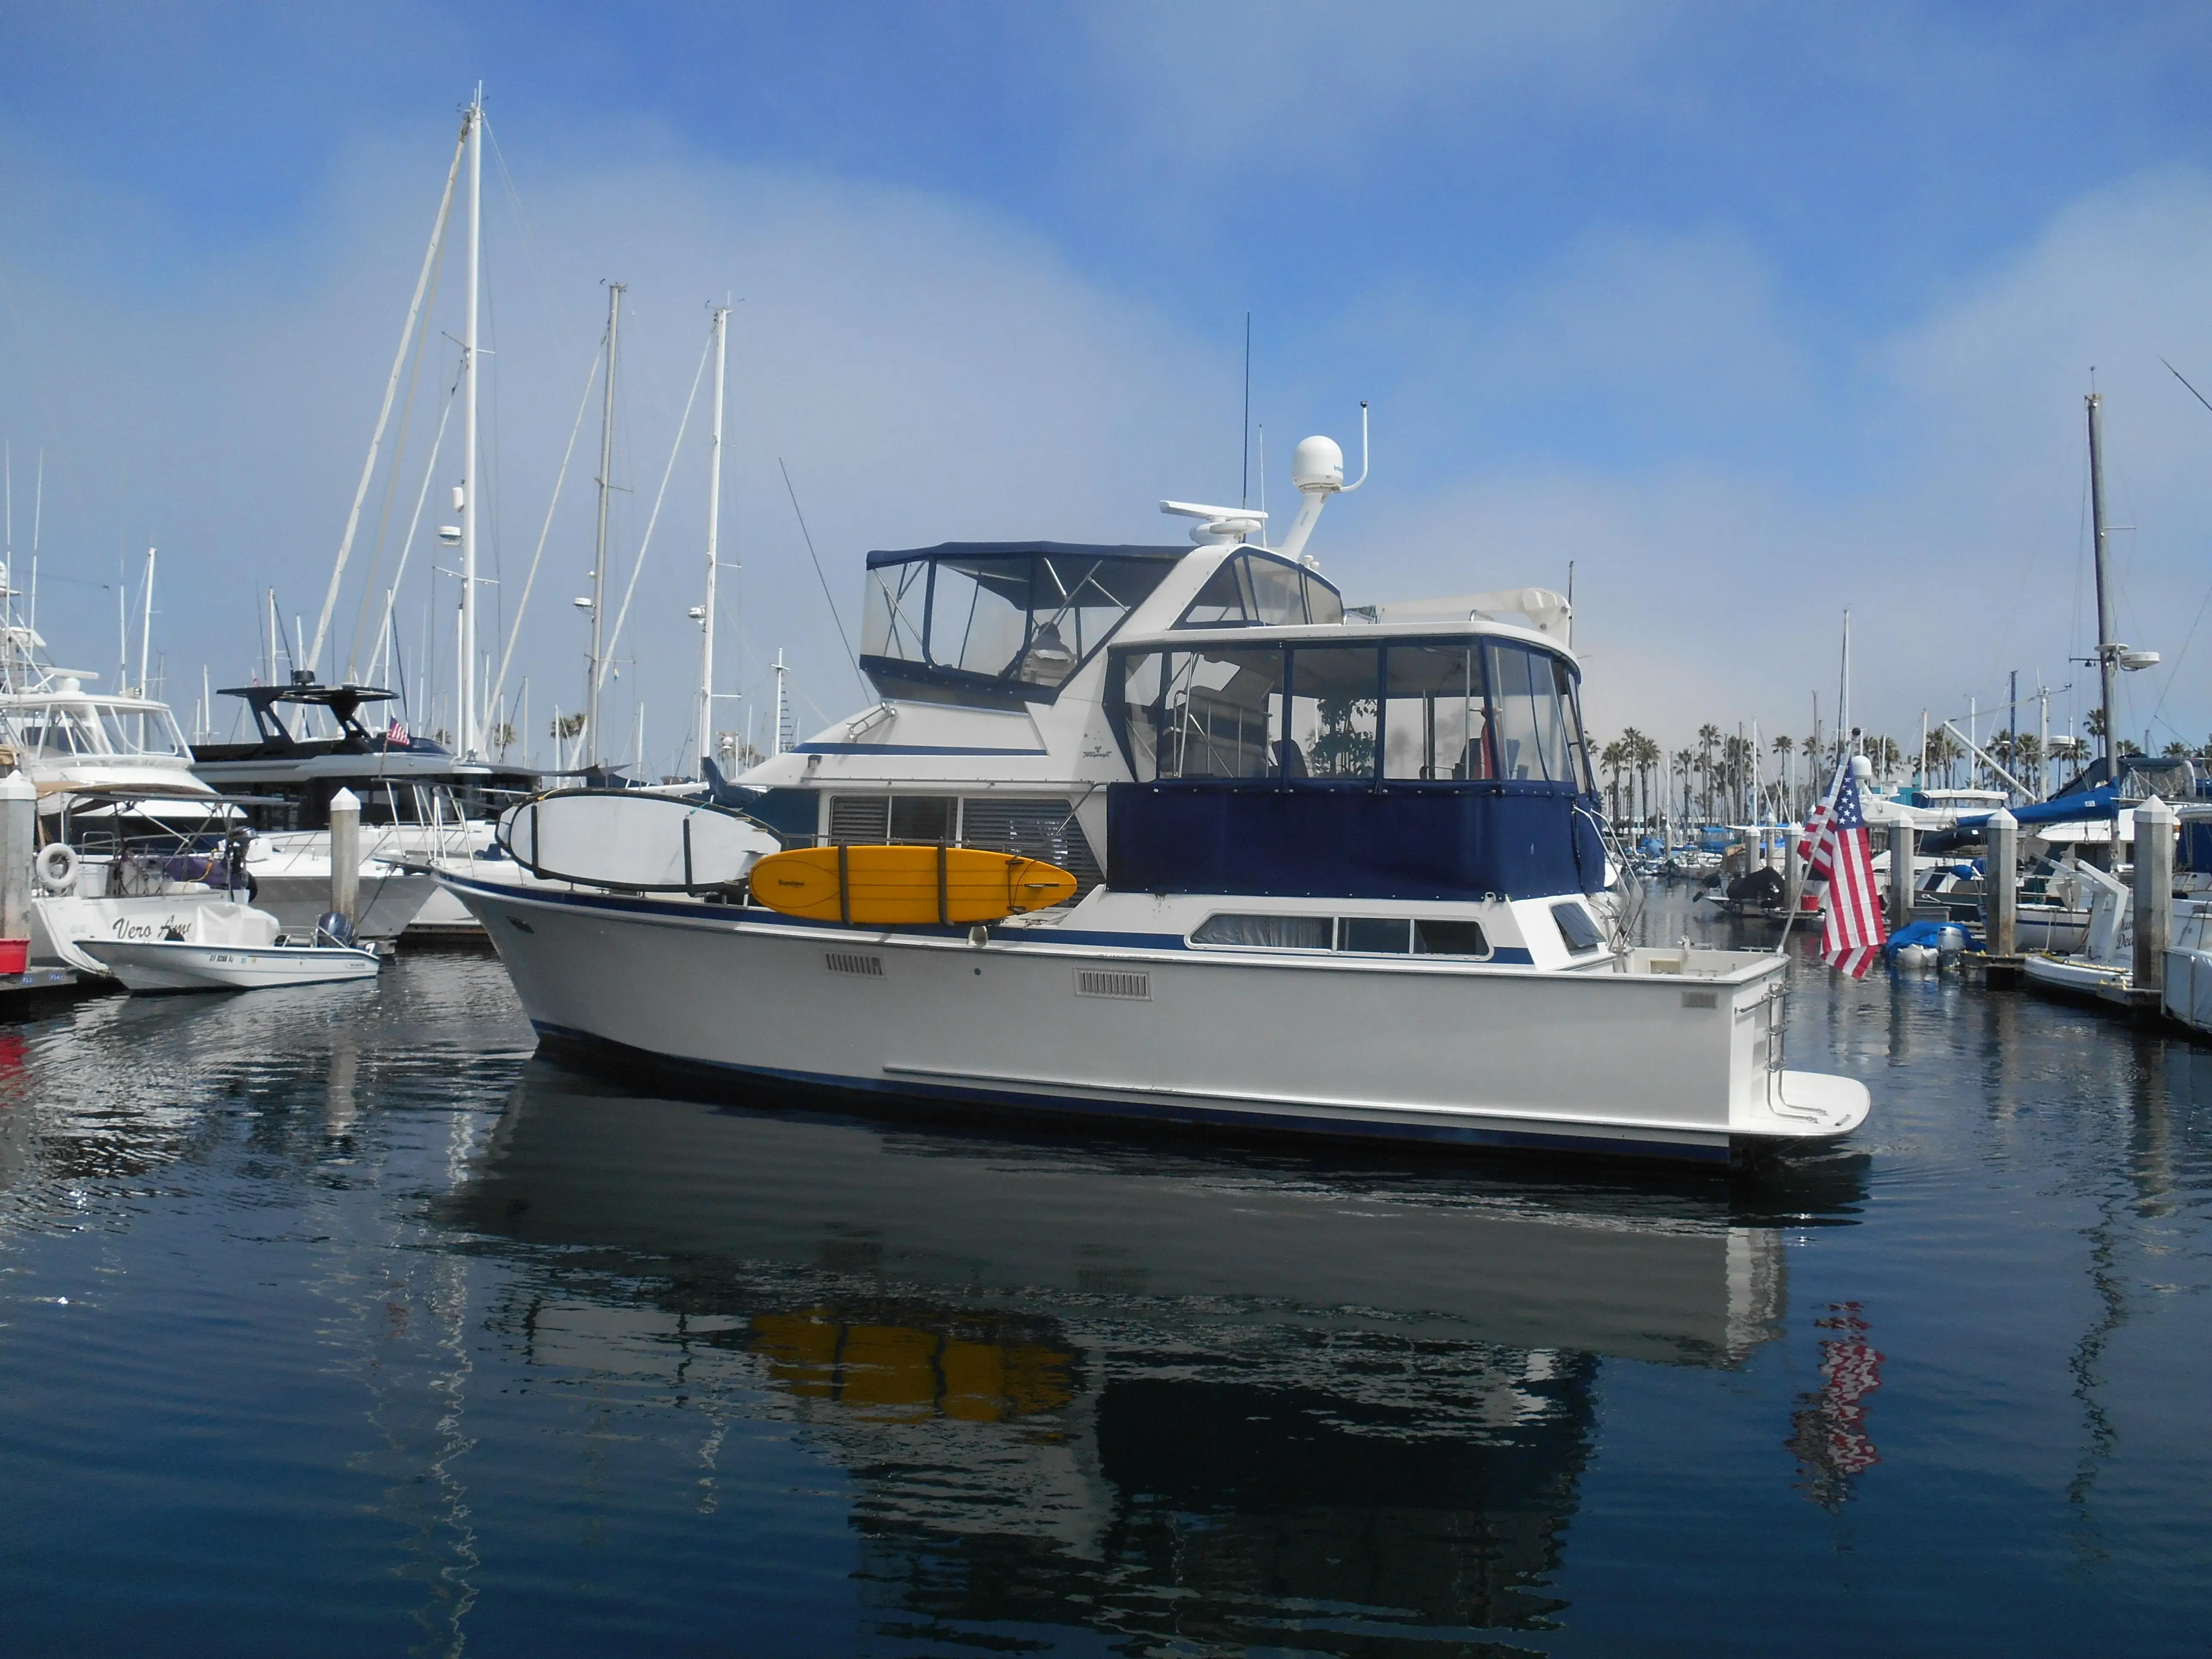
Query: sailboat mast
[[713, 536], [599, 552], [2105, 650], [467, 710]]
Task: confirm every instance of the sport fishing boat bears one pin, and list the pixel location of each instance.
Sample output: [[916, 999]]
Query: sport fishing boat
[[1353, 883]]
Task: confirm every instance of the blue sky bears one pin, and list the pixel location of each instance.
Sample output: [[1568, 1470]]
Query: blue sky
[[1752, 312]]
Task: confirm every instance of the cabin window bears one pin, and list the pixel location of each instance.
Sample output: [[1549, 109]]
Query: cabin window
[[1531, 728], [1215, 714], [1334, 707], [1267, 932], [1578, 927], [922, 818], [1434, 722], [1374, 935], [1436, 938], [871, 820]]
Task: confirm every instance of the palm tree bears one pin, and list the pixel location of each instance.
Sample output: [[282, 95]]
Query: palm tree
[[1686, 762], [1647, 756], [1612, 758], [1708, 736]]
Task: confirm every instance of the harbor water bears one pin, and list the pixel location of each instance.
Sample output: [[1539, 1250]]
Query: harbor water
[[334, 1321]]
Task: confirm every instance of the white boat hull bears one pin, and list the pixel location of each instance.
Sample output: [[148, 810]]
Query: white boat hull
[[1647, 1063], [2076, 976], [390, 898], [181, 965]]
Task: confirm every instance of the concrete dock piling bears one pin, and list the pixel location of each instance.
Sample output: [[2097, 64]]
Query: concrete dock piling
[[1901, 875], [2001, 887], [19, 835], [345, 854], [2154, 822]]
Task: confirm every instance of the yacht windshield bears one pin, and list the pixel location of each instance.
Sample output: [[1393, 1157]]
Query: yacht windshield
[[66, 730], [151, 732], [1259, 589], [1023, 620]]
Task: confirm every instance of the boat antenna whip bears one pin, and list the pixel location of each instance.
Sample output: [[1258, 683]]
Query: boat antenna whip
[[827, 596]]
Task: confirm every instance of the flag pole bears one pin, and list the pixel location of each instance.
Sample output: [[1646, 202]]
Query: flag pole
[[1827, 807]]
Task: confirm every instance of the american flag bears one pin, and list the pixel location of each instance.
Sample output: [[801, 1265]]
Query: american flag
[[1843, 857], [396, 734]]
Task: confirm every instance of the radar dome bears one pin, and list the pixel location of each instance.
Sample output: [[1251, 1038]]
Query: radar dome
[[1317, 464]]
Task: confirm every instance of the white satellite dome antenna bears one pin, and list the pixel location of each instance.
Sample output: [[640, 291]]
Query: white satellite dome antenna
[[1318, 469]]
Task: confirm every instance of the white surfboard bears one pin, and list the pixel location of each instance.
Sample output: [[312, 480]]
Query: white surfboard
[[628, 839]]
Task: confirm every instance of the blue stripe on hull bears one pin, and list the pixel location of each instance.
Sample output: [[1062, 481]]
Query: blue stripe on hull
[[873, 1093]]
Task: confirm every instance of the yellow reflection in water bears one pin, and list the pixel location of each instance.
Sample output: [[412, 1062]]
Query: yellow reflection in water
[[904, 1373]]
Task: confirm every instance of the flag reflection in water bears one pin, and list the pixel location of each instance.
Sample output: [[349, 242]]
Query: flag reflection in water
[[1828, 1432]]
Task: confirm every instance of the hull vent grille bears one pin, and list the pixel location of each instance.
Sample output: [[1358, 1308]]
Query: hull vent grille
[[854, 961], [1701, 1000], [1104, 982]]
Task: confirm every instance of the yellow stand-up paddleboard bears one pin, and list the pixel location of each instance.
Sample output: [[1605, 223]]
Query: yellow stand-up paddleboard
[[907, 886]]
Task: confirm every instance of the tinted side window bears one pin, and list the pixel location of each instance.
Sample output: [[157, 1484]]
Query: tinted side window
[[1578, 927], [1449, 939], [1386, 935]]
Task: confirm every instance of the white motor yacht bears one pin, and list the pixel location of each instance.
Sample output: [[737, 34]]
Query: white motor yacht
[[127, 835], [1341, 872]]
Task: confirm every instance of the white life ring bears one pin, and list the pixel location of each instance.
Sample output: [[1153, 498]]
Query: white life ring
[[58, 868]]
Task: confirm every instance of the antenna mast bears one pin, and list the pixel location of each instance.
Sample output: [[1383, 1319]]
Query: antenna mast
[[614, 291], [713, 535]]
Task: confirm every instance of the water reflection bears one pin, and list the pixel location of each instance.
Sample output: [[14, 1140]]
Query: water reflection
[[1180, 1395]]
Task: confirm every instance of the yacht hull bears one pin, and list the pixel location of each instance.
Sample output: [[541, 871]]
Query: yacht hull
[[1647, 1065], [391, 899]]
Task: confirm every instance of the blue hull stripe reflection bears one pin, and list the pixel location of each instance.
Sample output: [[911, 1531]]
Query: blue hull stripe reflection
[[585, 1047]]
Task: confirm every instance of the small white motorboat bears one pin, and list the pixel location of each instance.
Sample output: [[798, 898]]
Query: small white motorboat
[[233, 947]]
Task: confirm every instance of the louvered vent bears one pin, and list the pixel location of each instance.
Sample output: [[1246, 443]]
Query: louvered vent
[[1701, 1000], [853, 962], [865, 819], [1110, 982], [1035, 828]]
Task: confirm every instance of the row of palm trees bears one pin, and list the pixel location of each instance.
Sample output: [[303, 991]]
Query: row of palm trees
[[1724, 775]]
